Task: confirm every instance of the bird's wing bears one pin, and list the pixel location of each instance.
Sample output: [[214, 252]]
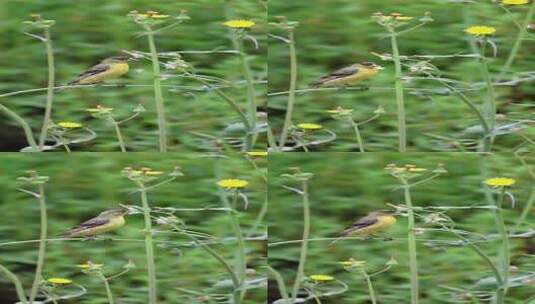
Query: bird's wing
[[94, 222], [99, 68], [361, 223], [343, 72]]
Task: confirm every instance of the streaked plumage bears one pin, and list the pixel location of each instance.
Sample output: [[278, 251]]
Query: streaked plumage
[[370, 224], [106, 221], [348, 75], [108, 68]]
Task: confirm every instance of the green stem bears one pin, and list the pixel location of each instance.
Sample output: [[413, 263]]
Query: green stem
[[280, 284], [119, 135], [357, 134], [304, 245], [518, 42], [505, 256], [399, 94], [27, 130], [50, 90], [149, 246], [42, 244], [15, 280], [370, 286], [241, 261], [251, 103], [158, 97], [108, 289], [490, 108], [413, 262], [291, 91]]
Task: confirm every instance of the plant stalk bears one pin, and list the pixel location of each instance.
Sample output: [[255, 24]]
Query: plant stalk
[[291, 91], [402, 130], [50, 89], [158, 96], [304, 245], [108, 289], [370, 286], [413, 262], [42, 244], [149, 246], [357, 134]]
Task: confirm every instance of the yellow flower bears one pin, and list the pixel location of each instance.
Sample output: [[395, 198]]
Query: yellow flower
[[499, 181], [69, 125], [309, 126], [241, 24], [232, 183], [404, 18], [321, 278], [417, 169], [480, 30], [515, 2], [59, 281], [257, 153]]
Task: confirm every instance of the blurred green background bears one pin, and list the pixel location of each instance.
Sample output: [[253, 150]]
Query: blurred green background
[[347, 186], [337, 33], [84, 184], [88, 31]]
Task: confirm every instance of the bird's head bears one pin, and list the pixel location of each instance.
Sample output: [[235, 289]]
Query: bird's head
[[117, 59], [114, 212], [370, 65]]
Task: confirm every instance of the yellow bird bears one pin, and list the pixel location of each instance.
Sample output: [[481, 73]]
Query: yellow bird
[[108, 68], [370, 224], [106, 221], [348, 75]]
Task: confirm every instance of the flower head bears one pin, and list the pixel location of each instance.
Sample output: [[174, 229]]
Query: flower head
[[321, 278], [59, 281], [351, 263], [499, 182], [239, 24], [309, 126], [515, 2], [257, 153], [90, 266], [480, 30], [69, 125], [232, 183]]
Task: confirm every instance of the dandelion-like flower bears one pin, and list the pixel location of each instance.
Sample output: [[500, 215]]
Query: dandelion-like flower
[[515, 2], [232, 183], [257, 153], [480, 30], [499, 182], [59, 281], [321, 278], [352, 263], [239, 24], [90, 265], [69, 125], [309, 126]]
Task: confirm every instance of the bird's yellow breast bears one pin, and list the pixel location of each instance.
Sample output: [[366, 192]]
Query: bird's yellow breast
[[115, 70], [383, 222], [362, 74], [114, 223]]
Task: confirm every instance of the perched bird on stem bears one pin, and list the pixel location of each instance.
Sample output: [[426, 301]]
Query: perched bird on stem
[[106, 221], [108, 68], [348, 75], [371, 224]]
